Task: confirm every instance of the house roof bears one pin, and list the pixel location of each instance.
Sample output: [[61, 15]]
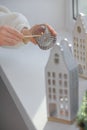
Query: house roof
[[65, 51], [67, 54], [83, 18]]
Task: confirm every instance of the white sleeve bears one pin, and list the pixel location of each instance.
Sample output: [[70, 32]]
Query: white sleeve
[[16, 20], [4, 9], [19, 21]]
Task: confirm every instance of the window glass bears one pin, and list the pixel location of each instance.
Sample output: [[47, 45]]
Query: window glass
[[56, 58], [79, 6], [82, 6]]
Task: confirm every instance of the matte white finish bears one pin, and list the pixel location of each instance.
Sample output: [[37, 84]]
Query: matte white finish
[[61, 66], [80, 44]]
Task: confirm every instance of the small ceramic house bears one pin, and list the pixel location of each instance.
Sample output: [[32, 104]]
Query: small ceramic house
[[80, 44], [61, 76]]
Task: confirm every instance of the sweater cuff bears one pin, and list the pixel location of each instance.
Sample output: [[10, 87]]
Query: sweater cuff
[[21, 26]]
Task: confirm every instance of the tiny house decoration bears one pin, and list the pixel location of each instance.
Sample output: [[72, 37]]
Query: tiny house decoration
[[82, 114], [61, 76], [80, 44]]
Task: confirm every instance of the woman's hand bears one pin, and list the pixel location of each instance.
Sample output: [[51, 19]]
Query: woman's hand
[[37, 30], [9, 36]]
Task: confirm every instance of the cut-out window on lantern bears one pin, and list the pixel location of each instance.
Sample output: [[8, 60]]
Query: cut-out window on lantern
[[61, 106], [60, 82], [54, 82], [65, 76], [54, 90], [56, 58], [66, 98], [60, 75], [65, 91], [54, 97], [65, 83], [49, 90], [50, 96], [79, 29], [49, 74], [53, 74], [61, 99], [60, 91], [66, 113], [49, 82], [52, 110]]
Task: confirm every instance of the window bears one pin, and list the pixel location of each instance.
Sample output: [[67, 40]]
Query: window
[[61, 98], [65, 76], [78, 29], [82, 6], [56, 58], [49, 74], [53, 74], [54, 82], [60, 82], [79, 6], [52, 110], [65, 83], [49, 82], [49, 90], [54, 90], [60, 91]]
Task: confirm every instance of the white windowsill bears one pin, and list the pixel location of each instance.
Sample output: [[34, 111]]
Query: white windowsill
[[22, 70]]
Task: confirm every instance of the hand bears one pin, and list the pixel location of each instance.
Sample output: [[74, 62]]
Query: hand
[[37, 30], [52, 31], [9, 36]]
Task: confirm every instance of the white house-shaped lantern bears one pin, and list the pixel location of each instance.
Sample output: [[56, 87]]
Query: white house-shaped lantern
[[61, 76], [80, 44]]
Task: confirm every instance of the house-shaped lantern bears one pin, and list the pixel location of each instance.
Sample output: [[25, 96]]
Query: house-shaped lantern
[[80, 44], [61, 76]]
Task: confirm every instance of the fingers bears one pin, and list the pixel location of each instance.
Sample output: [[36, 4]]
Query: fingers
[[14, 33], [51, 30], [27, 32], [37, 29], [10, 42], [12, 36], [33, 40], [9, 36]]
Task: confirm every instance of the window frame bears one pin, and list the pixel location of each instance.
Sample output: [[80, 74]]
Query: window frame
[[75, 8], [69, 16]]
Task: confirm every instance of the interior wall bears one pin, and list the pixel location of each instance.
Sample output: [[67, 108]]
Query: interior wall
[[40, 11]]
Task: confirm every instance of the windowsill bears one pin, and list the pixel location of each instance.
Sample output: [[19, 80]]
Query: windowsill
[[22, 70]]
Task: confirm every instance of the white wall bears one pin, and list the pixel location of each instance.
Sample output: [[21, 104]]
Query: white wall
[[40, 11]]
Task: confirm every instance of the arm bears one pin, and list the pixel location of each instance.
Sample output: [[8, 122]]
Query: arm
[[13, 27]]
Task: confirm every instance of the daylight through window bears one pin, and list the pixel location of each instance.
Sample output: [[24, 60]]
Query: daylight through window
[[79, 6]]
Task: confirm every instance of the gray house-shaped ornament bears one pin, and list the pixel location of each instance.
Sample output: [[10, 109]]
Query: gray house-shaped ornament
[[61, 76]]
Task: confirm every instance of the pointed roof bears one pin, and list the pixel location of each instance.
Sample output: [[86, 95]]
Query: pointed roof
[[67, 54], [83, 18], [64, 48]]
